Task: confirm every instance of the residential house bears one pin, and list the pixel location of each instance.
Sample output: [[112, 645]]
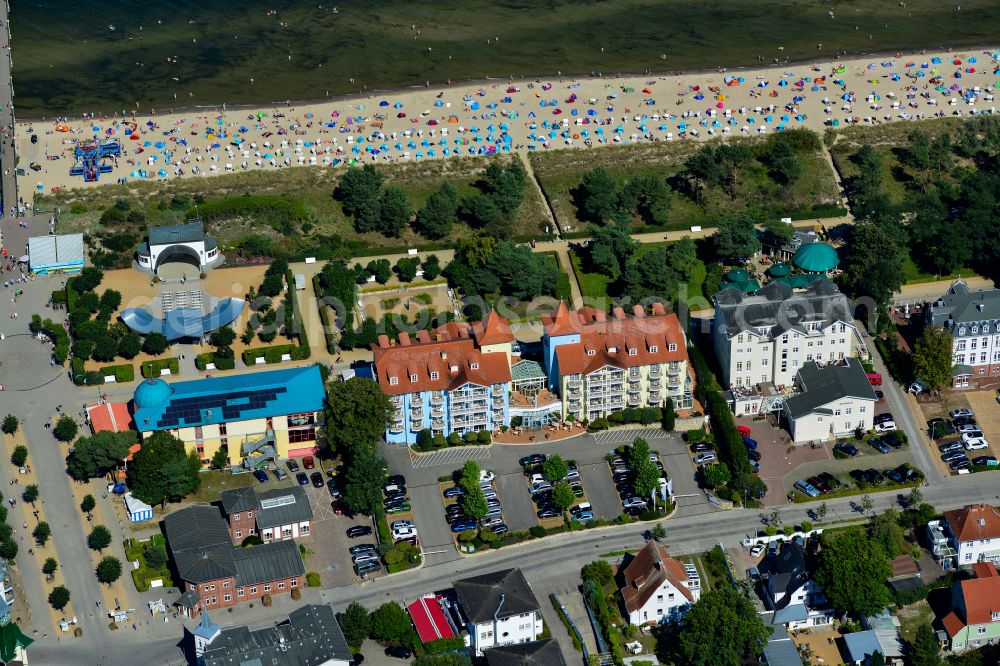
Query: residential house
[[536, 653], [256, 417], [657, 587], [881, 635], [975, 534], [797, 602], [215, 573], [780, 650], [454, 379], [310, 636], [974, 321], [833, 401], [430, 619], [766, 337], [498, 609], [273, 515], [601, 364], [974, 620]]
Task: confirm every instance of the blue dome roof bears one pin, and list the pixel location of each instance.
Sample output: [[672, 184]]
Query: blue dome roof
[[152, 392]]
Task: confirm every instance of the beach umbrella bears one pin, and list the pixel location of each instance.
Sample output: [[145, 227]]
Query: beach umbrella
[[719, 105], [399, 105], [160, 144], [134, 137], [432, 122]]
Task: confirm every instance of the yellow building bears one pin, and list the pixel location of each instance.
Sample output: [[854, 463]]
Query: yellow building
[[256, 417]]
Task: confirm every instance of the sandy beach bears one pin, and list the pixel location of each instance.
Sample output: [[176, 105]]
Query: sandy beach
[[519, 116]]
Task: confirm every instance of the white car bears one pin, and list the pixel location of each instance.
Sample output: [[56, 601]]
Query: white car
[[757, 550], [976, 444], [885, 426], [634, 503], [399, 535], [402, 524], [536, 478], [971, 435], [705, 457], [635, 647], [486, 475], [964, 411], [968, 427]]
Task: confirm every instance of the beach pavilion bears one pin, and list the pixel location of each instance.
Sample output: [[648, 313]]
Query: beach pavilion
[[816, 258]]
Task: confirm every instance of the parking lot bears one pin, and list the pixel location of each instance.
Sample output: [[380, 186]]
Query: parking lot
[[518, 511]]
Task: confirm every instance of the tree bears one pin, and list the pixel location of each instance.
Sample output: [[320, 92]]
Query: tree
[[222, 337], [867, 503], [98, 454], [432, 267], [406, 269], [914, 498], [822, 511], [49, 566], [358, 413], [932, 359], [728, 622], [359, 189], [599, 571], [19, 456], [480, 211], [220, 459], [874, 263], [395, 211], [154, 344], [852, 571], [109, 569], [776, 232], [355, 623], [88, 505], [647, 477], [364, 479], [669, 415], [648, 196], [129, 346], [562, 495], [30, 494], [9, 425], [381, 269], [884, 529], [611, 248], [716, 475], [474, 502], [598, 196], [390, 624], [877, 659], [65, 428], [555, 468], [155, 554], [439, 214], [161, 471], [735, 238], [925, 649], [786, 167], [504, 185], [99, 538], [42, 532], [59, 597]]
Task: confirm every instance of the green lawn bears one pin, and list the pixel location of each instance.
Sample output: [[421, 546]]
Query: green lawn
[[594, 286], [913, 274], [911, 617], [215, 481]]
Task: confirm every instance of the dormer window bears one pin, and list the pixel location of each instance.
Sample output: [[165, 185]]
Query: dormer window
[[475, 366], [413, 378], [393, 381], [632, 351], [996, 616], [672, 347], [653, 349], [591, 352], [961, 330], [434, 375], [975, 329]]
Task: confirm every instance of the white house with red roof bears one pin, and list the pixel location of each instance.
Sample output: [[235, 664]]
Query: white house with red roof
[[974, 620], [975, 534], [455, 378], [601, 364], [657, 587], [430, 620]]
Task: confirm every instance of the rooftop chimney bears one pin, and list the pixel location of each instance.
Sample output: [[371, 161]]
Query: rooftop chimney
[[423, 336], [383, 341], [619, 313], [404, 339], [638, 311]]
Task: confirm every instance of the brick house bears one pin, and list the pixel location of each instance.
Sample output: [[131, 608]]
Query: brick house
[[216, 573], [273, 515]]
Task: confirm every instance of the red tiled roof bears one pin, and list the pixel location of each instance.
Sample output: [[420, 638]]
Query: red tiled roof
[[113, 416], [429, 619], [984, 570], [607, 341], [448, 351], [978, 521], [953, 624], [492, 330], [651, 567], [982, 599]]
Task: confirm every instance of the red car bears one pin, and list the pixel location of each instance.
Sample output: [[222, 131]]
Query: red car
[[743, 430], [308, 462]]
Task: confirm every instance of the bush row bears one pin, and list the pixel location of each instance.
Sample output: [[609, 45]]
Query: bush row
[[123, 373], [153, 368], [201, 361], [274, 353]]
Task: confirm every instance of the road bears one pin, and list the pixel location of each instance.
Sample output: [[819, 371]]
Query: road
[[8, 160]]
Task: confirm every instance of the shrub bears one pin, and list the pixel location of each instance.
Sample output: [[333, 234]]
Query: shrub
[[537, 531], [600, 423], [251, 541], [19, 456], [266, 600], [312, 579], [483, 437], [296, 593]]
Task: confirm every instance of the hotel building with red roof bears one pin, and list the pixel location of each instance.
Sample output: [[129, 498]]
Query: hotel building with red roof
[[600, 363]]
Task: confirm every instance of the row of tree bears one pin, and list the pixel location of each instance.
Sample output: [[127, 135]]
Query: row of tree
[[484, 265]]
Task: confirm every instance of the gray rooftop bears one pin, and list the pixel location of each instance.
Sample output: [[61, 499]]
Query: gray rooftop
[[54, 250], [780, 308], [960, 306], [238, 500], [271, 561], [192, 232], [780, 651], [311, 636], [861, 645], [535, 653], [282, 506], [822, 385], [480, 596]]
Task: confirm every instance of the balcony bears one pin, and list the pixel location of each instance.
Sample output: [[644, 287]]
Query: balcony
[[616, 404], [468, 408], [416, 409], [674, 382], [574, 383], [498, 402], [437, 398], [437, 412], [397, 426], [634, 401], [656, 372], [655, 385]]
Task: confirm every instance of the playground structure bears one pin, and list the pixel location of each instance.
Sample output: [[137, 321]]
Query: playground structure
[[91, 156]]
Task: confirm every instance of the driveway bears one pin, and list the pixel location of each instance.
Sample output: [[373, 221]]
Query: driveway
[[600, 488], [433, 530], [326, 547], [515, 501]]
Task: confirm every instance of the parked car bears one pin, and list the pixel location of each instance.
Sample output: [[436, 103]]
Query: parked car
[[308, 462], [634, 502], [963, 420], [873, 476], [358, 531], [910, 473], [260, 475], [858, 476], [331, 485], [398, 651], [362, 548], [894, 476], [976, 444], [830, 480], [818, 484], [317, 479], [972, 434], [970, 426], [393, 488], [948, 447], [754, 455], [985, 461], [533, 459], [486, 475], [396, 480], [463, 526], [404, 534], [756, 550], [894, 439], [302, 479], [367, 568], [500, 529], [583, 516], [961, 412], [847, 449], [292, 465], [548, 513], [706, 457], [366, 556], [885, 426], [806, 488], [540, 487], [402, 524], [882, 418], [956, 465], [453, 518], [877, 444], [701, 447], [454, 491], [280, 473], [751, 444], [743, 430]]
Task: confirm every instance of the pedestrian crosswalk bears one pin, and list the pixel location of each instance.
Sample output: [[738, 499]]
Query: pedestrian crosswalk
[[629, 434], [455, 456]]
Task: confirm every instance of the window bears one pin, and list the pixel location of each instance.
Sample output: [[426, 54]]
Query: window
[[763, 362], [847, 411], [653, 349], [975, 329], [249, 515], [413, 378], [632, 351], [239, 592], [672, 347], [434, 375], [393, 381], [253, 590], [980, 630], [591, 352], [212, 586], [267, 587], [281, 584], [961, 330], [239, 534], [739, 366], [836, 412], [236, 516], [225, 584], [295, 582], [227, 597]]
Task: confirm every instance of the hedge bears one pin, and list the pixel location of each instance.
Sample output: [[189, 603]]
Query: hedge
[[324, 317], [293, 317], [152, 368], [201, 361], [56, 332], [273, 354], [123, 373]]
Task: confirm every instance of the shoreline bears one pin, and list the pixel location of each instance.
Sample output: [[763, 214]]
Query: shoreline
[[524, 79]]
